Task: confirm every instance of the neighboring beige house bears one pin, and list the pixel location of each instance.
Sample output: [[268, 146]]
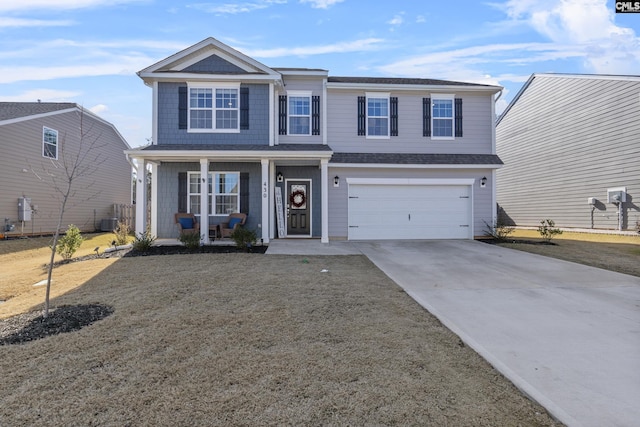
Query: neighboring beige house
[[571, 148], [35, 136]]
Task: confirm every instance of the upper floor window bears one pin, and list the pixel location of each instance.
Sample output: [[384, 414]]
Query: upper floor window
[[442, 117], [49, 143], [378, 115], [299, 113], [214, 108]]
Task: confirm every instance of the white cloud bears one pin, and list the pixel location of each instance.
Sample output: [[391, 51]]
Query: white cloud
[[8, 5], [396, 20], [589, 25], [45, 95], [363, 45], [100, 108], [234, 8], [19, 22], [420, 19], [321, 4]]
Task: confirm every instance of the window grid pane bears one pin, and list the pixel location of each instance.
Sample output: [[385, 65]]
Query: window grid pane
[[377, 116], [50, 143], [299, 115]]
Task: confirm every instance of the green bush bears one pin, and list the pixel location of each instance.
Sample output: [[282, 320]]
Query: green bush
[[499, 230], [190, 240], [122, 232], [547, 230], [244, 238], [70, 242], [143, 241]]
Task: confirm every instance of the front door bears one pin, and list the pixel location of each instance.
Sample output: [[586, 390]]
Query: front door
[[299, 208]]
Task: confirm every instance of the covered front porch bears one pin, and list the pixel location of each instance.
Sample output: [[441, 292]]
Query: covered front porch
[[256, 175]]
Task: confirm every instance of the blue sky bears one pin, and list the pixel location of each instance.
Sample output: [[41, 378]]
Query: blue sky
[[88, 51]]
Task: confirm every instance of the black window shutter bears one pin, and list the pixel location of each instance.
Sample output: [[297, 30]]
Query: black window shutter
[[282, 128], [182, 192], [244, 192], [426, 116], [315, 115], [394, 116], [362, 115], [183, 103], [244, 108], [458, 117]]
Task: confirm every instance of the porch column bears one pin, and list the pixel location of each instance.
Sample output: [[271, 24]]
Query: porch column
[[272, 200], [204, 201], [154, 198], [264, 224], [141, 195], [324, 197]]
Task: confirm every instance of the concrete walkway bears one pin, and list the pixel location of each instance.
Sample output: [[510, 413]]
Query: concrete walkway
[[567, 335]]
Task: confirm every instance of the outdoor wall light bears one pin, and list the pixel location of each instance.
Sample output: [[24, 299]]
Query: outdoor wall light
[[483, 182], [279, 177], [336, 181]]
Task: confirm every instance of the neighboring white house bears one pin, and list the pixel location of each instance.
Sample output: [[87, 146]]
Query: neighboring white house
[[306, 154], [35, 136], [571, 148]]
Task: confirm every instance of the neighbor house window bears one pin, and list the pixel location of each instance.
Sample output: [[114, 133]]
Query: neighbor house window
[[378, 115], [49, 143], [299, 113], [223, 192], [214, 108], [442, 117]]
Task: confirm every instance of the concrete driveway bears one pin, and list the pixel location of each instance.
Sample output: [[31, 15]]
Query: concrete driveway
[[568, 335]]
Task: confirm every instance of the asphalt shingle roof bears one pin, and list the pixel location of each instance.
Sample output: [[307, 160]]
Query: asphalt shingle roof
[[14, 110], [399, 81], [416, 159], [237, 147]]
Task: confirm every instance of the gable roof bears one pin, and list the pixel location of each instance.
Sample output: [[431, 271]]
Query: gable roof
[[337, 82], [578, 77], [14, 110], [181, 63]]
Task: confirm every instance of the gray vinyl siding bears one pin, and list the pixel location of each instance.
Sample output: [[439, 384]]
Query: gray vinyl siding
[[302, 84], [567, 139], [168, 194], [169, 133], [108, 183], [342, 118], [338, 196], [312, 173]]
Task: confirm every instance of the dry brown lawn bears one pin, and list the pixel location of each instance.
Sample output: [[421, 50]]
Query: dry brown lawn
[[247, 339], [619, 253]]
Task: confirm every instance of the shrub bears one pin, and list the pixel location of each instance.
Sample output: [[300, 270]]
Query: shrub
[[122, 232], [244, 238], [143, 241], [70, 242], [547, 230], [499, 230], [190, 240]]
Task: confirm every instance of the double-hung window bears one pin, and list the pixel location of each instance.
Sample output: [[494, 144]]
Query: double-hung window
[[223, 192], [377, 115], [49, 143], [299, 113], [214, 108], [442, 116]]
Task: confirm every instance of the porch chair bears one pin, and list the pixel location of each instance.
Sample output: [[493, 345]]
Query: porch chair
[[187, 223], [234, 221]]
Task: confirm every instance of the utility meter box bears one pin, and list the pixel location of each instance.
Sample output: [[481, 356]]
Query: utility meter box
[[617, 195], [591, 201], [24, 209]]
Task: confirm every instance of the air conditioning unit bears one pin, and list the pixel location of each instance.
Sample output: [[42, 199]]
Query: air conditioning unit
[[617, 195]]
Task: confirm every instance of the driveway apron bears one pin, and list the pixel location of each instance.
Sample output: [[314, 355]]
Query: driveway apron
[[566, 334]]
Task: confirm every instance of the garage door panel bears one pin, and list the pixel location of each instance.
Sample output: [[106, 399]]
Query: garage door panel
[[409, 212]]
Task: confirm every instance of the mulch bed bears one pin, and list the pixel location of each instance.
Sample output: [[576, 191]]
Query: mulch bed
[[67, 318], [182, 250]]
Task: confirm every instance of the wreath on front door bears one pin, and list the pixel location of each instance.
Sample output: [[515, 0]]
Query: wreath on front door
[[297, 198]]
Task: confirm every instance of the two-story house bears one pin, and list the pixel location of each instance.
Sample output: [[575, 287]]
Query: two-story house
[[305, 154]]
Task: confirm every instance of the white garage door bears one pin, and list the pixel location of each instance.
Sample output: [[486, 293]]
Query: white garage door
[[409, 211]]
